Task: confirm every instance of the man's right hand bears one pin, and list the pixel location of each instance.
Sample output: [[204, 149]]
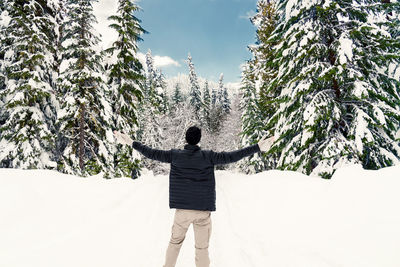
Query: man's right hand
[[265, 144]]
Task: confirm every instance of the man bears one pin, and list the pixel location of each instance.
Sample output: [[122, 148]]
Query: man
[[192, 188]]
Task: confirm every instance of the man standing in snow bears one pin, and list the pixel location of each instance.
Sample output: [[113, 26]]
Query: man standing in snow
[[192, 188]]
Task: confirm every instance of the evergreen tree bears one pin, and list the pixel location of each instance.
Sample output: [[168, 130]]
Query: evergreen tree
[[258, 104], [27, 98], [126, 77], [151, 72], [154, 85], [337, 106], [85, 118], [226, 102], [387, 14], [177, 98], [218, 112], [58, 14], [265, 20], [252, 120], [151, 111], [4, 22], [206, 105], [220, 92], [194, 95], [217, 116], [213, 97], [161, 90]]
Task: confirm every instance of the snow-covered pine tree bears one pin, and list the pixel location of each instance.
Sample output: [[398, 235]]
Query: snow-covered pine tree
[[389, 14], [252, 119], [213, 96], [392, 14], [337, 106], [265, 20], [378, 91], [195, 94], [217, 116], [153, 90], [259, 104], [217, 111], [27, 111], [206, 105], [4, 21], [56, 11], [177, 97], [4, 42], [161, 90], [222, 98], [151, 112], [85, 118], [151, 72], [226, 102], [220, 92], [58, 14], [126, 78]]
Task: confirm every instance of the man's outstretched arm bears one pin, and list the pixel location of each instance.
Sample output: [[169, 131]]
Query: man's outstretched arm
[[155, 154], [233, 156], [151, 153]]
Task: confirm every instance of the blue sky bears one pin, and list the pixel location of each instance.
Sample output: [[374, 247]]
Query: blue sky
[[215, 32]]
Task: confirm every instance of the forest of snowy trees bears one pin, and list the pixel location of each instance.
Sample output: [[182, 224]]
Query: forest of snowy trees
[[61, 96], [323, 79]]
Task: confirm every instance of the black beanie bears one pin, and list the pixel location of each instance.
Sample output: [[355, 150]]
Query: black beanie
[[193, 135]]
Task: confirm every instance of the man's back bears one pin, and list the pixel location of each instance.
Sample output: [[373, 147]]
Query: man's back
[[191, 163], [192, 179]]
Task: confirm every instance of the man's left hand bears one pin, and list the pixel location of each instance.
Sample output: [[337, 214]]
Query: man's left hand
[[122, 138]]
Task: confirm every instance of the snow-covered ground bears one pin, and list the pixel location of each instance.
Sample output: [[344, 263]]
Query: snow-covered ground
[[272, 219]]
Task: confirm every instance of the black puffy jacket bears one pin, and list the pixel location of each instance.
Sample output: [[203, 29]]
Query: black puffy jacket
[[191, 178]]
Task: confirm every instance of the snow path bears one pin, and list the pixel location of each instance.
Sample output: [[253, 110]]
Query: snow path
[[269, 219]]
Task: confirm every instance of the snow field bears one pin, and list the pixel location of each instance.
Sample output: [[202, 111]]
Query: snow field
[[269, 219]]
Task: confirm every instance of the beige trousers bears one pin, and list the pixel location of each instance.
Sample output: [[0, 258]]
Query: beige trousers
[[202, 230]]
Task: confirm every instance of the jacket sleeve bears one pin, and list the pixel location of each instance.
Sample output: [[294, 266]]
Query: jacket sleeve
[[156, 154], [233, 156]]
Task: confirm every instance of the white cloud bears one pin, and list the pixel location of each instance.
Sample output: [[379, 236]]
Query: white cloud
[[159, 61], [163, 61]]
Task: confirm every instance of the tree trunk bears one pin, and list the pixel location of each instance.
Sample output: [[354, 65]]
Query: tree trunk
[[82, 138]]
